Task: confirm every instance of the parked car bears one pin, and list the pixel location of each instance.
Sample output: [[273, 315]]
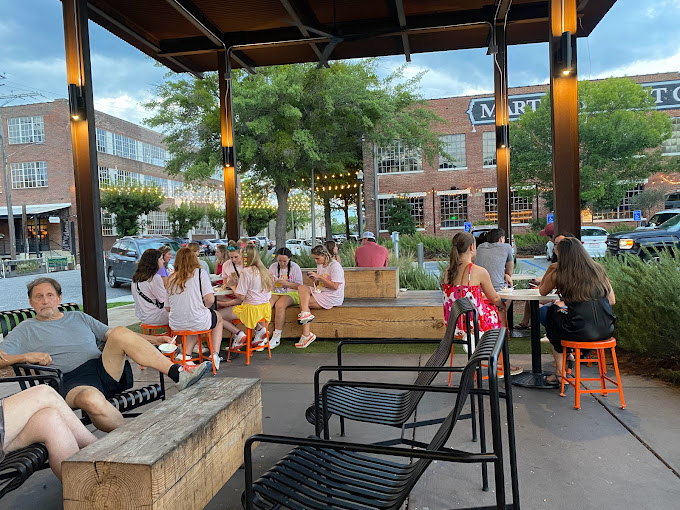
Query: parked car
[[673, 200], [182, 241], [658, 219], [255, 241], [264, 242], [594, 240], [297, 246], [121, 261], [646, 243]]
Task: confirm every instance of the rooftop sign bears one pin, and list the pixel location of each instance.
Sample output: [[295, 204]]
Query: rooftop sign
[[482, 110]]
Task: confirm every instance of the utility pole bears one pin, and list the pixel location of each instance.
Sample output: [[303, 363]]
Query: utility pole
[[6, 177]]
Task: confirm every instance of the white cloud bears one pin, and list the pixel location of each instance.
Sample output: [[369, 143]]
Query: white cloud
[[661, 6], [647, 66], [124, 106], [438, 83]]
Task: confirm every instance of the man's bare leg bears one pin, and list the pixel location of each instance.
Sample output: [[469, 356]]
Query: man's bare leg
[[103, 415], [123, 342]]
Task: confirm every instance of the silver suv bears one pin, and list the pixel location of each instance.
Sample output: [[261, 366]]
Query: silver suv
[[121, 261]]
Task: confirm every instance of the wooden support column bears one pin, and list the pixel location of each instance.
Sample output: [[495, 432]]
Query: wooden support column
[[564, 117], [228, 150], [500, 79], [79, 77]]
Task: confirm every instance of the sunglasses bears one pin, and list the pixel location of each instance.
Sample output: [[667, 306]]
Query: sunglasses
[[232, 248]]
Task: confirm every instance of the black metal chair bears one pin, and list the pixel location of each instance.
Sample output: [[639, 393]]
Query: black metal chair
[[321, 474], [359, 402]]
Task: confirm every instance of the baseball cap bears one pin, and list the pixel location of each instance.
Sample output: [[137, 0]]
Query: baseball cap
[[368, 235], [548, 231]]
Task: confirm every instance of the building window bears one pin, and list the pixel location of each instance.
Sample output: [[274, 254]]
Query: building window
[[107, 224], [624, 211], [154, 155], [101, 140], [453, 210], [491, 205], [103, 177], [157, 223], [203, 228], [489, 148], [417, 211], [124, 146], [29, 175], [398, 158], [454, 145], [672, 145], [521, 208], [26, 130]]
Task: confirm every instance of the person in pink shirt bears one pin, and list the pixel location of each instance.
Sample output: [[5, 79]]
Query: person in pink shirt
[[254, 289], [328, 291], [370, 253]]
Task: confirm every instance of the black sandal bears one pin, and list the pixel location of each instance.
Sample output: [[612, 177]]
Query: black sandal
[[521, 327], [556, 383]]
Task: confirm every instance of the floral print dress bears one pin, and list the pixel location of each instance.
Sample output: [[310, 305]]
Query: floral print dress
[[486, 311]]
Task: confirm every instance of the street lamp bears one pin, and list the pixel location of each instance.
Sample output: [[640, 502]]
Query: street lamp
[[360, 219]]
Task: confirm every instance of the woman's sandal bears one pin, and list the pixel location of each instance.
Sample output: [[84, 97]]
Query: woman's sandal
[[557, 382], [521, 327]]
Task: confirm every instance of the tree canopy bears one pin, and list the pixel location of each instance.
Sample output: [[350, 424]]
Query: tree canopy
[[290, 119], [619, 136], [400, 218], [184, 217], [128, 203]]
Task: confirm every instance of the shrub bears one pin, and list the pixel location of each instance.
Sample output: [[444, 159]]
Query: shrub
[[434, 247], [647, 303]]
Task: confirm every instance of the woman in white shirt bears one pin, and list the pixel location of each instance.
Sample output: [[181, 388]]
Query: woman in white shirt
[[287, 277], [231, 270], [190, 297], [148, 290]]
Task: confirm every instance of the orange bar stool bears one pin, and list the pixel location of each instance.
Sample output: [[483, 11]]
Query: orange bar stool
[[202, 335], [599, 348], [249, 335], [149, 329]]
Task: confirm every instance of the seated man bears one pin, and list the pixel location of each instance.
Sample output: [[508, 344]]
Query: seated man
[[495, 256], [370, 253], [68, 341]]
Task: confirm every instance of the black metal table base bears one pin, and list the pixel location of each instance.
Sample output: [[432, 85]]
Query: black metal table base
[[532, 380]]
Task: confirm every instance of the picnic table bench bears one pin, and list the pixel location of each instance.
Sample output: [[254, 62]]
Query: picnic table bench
[[177, 455]]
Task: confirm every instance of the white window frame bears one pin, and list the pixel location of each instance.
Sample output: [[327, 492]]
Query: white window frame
[[415, 200], [29, 175], [488, 143], [157, 223], [445, 197], [22, 130], [455, 146], [671, 146], [399, 153]]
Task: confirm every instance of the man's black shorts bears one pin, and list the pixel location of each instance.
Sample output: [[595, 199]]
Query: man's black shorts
[[92, 373]]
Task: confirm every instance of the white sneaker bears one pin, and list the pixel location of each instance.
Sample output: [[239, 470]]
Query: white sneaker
[[260, 335], [216, 360], [239, 340], [275, 340]]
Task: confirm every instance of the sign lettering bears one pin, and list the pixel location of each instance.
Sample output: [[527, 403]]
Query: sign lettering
[[482, 110]]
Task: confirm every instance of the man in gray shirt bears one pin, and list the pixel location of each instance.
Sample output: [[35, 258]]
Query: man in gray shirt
[[496, 257], [68, 342]]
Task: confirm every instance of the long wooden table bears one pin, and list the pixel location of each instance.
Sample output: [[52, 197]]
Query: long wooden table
[[177, 455]]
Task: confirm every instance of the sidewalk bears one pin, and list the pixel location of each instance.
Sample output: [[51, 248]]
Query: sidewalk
[[599, 457]]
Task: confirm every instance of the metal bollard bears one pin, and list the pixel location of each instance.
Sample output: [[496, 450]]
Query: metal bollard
[[395, 240], [421, 256]]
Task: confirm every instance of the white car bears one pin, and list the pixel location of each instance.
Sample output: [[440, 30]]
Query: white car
[[594, 240], [297, 246]]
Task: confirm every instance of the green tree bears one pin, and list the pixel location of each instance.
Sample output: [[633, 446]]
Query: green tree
[[128, 203], [184, 217], [619, 136], [400, 218], [216, 217], [256, 219], [290, 119], [650, 199]]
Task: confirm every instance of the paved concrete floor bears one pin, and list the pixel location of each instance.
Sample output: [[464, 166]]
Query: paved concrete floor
[[599, 457]]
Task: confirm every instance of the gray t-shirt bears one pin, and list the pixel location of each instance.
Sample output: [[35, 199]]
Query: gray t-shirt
[[70, 341], [492, 257]]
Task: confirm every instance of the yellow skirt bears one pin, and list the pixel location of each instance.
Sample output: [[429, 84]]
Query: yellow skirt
[[249, 315]]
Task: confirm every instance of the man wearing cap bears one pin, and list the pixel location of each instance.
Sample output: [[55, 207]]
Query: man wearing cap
[[370, 253]]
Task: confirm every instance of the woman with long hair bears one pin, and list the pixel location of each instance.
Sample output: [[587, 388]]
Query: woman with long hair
[[40, 415], [584, 310], [221, 256], [328, 291], [332, 248], [190, 296], [166, 252], [254, 289], [148, 290], [287, 278], [231, 271]]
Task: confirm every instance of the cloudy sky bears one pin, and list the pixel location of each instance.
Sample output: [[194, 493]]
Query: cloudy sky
[[635, 37]]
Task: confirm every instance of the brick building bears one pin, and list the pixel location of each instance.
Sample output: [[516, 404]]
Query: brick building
[[445, 195], [40, 163]]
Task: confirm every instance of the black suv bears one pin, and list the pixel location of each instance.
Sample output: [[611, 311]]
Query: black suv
[[121, 262], [646, 243]]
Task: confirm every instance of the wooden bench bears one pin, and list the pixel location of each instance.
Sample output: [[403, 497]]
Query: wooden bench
[[366, 282], [177, 455]]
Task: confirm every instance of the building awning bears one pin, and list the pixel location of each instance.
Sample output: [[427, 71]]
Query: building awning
[[34, 209]]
